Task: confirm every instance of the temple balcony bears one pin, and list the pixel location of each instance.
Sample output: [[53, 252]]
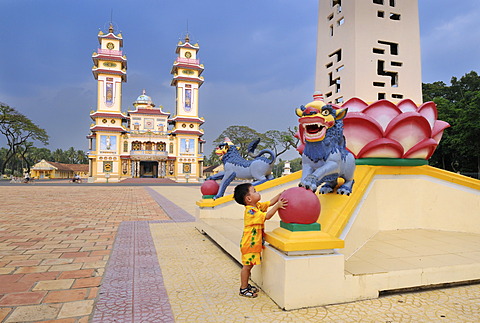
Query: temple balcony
[[109, 52], [188, 60], [148, 154], [148, 134]]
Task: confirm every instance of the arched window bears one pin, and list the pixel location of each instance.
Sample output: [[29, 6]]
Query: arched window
[[170, 150], [125, 146]]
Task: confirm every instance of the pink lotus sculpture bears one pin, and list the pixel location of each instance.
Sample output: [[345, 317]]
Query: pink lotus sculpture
[[387, 130]]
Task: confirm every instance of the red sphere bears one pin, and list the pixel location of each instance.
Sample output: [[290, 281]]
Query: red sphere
[[209, 187], [303, 206]]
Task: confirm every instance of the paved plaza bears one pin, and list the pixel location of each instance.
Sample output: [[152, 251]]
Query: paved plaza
[[119, 253]]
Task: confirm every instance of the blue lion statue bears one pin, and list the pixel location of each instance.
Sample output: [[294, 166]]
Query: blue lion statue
[[235, 166], [325, 157]]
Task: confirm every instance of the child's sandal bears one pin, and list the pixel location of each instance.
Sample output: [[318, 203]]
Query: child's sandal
[[245, 292], [252, 288]]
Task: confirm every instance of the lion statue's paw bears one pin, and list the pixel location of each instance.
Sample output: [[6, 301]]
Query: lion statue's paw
[[325, 189], [344, 190], [310, 183]]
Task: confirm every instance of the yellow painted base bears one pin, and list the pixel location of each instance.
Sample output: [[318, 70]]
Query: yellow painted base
[[287, 240]]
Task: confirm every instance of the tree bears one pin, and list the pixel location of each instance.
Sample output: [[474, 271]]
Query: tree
[[279, 141], [240, 136], [81, 157], [37, 154], [19, 131], [59, 156], [459, 105]]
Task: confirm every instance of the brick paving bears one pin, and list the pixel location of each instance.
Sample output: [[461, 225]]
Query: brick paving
[[55, 242], [133, 293]]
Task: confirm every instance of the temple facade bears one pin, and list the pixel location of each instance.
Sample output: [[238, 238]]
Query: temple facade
[[145, 141]]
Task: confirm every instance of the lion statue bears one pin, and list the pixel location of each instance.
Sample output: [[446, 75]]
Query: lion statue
[[325, 157], [235, 166]]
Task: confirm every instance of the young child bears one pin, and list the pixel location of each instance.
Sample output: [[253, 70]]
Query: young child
[[252, 240]]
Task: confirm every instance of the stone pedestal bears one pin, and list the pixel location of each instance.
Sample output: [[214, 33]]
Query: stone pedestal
[[301, 281]]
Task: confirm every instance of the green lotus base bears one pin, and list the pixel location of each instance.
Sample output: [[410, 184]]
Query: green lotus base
[[206, 197], [391, 161], [300, 227]]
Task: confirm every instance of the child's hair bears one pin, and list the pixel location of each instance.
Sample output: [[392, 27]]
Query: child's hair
[[240, 192]]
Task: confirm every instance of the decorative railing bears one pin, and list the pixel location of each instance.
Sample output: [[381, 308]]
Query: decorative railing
[[148, 152], [188, 60], [157, 134], [110, 52]]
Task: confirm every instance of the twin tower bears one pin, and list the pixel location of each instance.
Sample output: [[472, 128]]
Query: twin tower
[[145, 141]]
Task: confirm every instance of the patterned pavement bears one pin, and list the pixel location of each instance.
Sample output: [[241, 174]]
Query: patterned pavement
[[55, 242]]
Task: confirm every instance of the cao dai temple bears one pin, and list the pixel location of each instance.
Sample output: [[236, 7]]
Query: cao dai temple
[[145, 141]]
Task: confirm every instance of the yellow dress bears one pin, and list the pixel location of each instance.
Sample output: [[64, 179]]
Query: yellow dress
[[252, 239]]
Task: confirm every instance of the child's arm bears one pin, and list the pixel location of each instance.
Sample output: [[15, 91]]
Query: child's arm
[[275, 199], [279, 204]]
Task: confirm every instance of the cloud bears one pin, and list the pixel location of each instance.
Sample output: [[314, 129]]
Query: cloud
[[450, 46], [241, 104]]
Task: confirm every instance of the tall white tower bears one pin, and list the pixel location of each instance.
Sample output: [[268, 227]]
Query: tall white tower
[[368, 49], [186, 123], [110, 71]]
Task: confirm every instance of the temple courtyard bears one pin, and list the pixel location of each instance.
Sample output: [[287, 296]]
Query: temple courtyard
[[131, 253]]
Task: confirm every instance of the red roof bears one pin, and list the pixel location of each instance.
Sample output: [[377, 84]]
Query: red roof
[[111, 129], [116, 72], [107, 115], [188, 66], [109, 58], [187, 132], [186, 45], [110, 36], [119, 59], [186, 119], [176, 67], [70, 167], [149, 111], [111, 72], [187, 79]]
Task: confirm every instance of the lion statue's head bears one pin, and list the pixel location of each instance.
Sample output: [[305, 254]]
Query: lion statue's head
[[316, 119]]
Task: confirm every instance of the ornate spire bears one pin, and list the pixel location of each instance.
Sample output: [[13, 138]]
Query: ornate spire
[[110, 29]]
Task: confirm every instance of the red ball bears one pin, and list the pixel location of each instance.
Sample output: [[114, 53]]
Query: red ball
[[209, 187], [303, 206]]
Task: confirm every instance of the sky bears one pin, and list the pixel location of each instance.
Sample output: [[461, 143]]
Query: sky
[[259, 57]]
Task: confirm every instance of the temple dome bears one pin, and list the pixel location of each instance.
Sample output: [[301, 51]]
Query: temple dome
[[144, 99]]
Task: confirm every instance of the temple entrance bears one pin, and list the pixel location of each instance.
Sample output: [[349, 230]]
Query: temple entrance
[[149, 169]]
